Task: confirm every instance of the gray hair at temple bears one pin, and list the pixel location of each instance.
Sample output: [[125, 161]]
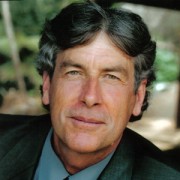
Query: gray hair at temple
[[79, 23]]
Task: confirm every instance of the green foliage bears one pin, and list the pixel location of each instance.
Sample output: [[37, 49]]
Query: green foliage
[[4, 46], [29, 16], [7, 71], [7, 74], [2, 28], [167, 65]]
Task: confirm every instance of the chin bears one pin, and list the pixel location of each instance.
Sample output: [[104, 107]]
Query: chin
[[84, 145]]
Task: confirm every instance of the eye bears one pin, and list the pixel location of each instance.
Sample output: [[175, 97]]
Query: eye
[[74, 72], [113, 77]]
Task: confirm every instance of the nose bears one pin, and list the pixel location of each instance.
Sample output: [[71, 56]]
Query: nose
[[91, 93]]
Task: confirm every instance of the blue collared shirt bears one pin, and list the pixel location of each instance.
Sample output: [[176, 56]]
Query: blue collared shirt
[[50, 166]]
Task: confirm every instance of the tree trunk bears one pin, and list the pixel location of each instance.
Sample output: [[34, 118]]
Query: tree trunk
[[13, 46]]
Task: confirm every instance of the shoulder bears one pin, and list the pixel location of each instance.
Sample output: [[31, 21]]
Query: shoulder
[[141, 146], [21, 141], [149, 160], [12, 122], [14, 128], [154, 169], [9, 119]]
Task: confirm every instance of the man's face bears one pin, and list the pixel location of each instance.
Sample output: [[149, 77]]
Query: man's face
[[91, 96]]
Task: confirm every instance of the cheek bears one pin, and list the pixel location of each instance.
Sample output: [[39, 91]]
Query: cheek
[[119, 101], [59, 101], [63, 93]]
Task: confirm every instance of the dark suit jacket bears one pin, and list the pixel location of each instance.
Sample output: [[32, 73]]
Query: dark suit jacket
[[22, 139]]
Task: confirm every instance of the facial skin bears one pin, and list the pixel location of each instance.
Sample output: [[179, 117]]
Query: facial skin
[[91, 97]]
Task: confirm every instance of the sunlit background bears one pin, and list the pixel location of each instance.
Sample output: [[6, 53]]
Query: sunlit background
[[159, 123]]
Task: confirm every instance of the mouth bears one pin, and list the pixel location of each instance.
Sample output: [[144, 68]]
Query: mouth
[[86, 121]]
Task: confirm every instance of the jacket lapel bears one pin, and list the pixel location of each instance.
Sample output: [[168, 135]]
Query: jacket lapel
[[121, 164]]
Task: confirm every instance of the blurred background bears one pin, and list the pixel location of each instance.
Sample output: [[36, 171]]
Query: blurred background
[[20, 26]]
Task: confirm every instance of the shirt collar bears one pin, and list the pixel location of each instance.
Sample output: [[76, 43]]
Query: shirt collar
[[51, 167]]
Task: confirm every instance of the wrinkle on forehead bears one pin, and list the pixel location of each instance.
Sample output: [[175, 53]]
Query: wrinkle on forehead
[[101, 46], [102, 42]]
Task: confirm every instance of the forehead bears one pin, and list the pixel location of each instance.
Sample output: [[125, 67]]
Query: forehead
[[100, 51]]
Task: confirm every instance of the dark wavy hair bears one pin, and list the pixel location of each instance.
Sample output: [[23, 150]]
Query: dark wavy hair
[[79, 23]]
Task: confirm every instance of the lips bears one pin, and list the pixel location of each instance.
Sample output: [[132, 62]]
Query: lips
[[85, 120]]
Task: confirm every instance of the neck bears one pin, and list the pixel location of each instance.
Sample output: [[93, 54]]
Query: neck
[[77, 161]]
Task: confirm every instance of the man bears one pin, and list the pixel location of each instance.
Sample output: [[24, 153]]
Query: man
[[96, 65]]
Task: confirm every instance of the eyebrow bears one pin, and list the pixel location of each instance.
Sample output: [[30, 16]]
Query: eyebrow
[[69, 63], [118, 69]]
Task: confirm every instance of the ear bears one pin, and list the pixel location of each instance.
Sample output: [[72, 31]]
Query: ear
[[140, 94], [45, 88]]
